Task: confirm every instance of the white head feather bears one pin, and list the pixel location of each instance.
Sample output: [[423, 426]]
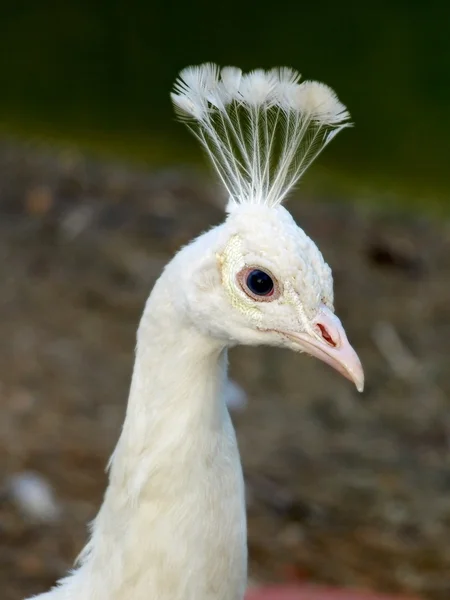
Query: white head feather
[[261, 130]]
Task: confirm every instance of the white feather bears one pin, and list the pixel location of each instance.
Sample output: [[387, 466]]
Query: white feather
[[231, 81], [261, 130]]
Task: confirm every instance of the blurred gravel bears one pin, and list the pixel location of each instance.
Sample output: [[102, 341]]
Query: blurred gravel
[[342, 488]]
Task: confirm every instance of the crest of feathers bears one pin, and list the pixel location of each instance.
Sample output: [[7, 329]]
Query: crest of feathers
[[262, 129]]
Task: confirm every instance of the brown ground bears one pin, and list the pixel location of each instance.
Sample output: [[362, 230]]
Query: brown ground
[[342, 488]]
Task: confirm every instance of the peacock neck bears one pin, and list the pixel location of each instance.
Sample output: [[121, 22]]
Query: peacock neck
[[176, 391], [172, 524]]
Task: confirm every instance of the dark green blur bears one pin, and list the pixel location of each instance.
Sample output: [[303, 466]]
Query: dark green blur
[[103, 69]]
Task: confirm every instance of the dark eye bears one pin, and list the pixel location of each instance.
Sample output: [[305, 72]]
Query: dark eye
[[260, 283]]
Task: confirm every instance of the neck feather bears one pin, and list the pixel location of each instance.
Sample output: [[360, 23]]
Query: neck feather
[[175, 476], [176, 393]]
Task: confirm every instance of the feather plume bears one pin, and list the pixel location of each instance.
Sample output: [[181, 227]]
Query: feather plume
[[261, 130]]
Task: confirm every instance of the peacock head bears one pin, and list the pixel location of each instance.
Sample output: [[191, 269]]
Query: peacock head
[[258, 278]]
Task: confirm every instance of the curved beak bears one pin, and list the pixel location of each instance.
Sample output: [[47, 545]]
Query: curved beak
[[329, 343]]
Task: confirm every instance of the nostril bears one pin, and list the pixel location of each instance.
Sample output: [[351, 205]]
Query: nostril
[[325, 334]]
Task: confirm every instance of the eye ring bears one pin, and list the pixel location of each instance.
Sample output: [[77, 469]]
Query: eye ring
[[259, 284]]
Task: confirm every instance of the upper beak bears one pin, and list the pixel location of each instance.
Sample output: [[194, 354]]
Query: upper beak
[[330, 344]]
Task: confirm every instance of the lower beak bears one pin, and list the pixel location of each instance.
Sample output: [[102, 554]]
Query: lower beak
[[330, 344]]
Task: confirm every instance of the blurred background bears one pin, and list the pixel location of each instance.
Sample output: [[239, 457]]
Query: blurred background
[[99, 186]]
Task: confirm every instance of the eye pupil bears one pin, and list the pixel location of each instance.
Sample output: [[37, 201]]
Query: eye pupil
[[260, 283]]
